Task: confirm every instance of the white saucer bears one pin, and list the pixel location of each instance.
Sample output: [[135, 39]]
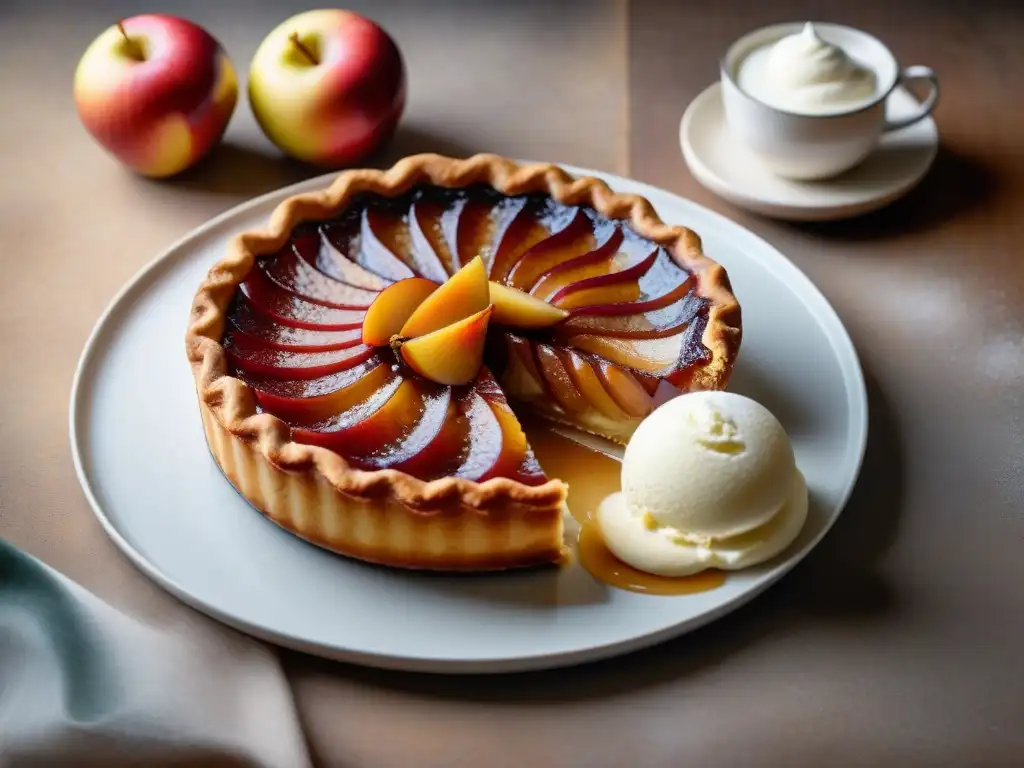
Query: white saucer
[[146, 470], [731, 171]]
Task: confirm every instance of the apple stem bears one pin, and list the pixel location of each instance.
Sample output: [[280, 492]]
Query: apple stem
[[133, 46], [294, 37]]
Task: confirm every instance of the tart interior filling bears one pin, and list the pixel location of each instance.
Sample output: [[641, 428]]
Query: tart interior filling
[[628, 315]]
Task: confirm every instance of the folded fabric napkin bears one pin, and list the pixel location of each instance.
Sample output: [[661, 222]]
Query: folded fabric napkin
[[82, 684]]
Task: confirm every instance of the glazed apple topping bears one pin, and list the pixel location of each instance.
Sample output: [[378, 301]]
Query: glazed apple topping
[[396, 333]]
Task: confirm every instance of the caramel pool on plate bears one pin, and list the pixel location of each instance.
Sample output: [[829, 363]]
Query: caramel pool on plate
[[591, 476]]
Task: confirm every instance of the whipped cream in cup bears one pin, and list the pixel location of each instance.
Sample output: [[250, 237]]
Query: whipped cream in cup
[[804, 73], [809, 98]]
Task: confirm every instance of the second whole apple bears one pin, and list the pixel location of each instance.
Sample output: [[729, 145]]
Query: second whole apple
[[327, 87]]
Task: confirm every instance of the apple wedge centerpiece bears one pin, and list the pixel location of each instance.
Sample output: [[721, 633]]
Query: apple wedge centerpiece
[[440, 331]]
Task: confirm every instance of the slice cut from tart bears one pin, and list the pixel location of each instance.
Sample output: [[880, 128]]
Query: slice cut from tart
[[361, 364]]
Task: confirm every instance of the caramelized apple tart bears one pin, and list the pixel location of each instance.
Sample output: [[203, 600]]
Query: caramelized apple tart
[[360, 363]]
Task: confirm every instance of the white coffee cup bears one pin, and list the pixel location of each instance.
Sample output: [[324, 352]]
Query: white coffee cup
[[816, 146]]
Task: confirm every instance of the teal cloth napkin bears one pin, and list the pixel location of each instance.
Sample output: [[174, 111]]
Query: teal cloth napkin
[[83, 684]]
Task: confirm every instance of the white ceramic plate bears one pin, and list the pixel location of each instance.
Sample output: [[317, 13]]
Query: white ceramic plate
[[142, 459], [733, 172]]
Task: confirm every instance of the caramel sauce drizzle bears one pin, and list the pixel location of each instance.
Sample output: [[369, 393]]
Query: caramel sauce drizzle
[[591, 476]]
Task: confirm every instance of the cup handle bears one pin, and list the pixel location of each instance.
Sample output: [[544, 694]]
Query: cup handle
[[917, 72]]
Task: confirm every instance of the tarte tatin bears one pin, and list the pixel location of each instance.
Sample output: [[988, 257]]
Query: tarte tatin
[[361, 362]]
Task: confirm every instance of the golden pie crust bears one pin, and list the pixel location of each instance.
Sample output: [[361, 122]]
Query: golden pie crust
[[387, 516]]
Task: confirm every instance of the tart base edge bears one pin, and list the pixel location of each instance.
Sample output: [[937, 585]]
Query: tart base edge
[[386, 532]]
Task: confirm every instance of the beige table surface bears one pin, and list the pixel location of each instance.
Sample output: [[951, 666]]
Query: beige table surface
[[897, 642]]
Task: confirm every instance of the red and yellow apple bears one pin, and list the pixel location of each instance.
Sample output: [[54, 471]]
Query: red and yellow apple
[[327, 87], [156, 91]]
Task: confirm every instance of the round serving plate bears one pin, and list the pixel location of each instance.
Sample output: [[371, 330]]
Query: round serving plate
[[142, 459]]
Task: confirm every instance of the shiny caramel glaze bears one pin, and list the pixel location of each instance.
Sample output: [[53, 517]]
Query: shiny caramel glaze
[[294, 330]]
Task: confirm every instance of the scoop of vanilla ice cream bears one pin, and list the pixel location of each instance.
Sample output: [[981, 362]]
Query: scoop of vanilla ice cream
[[710, 465]]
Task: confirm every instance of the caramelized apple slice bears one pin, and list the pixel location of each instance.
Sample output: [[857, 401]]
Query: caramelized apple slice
[[664, 277], [521, 378], [637, 307], [537, 223], [516, 460], [245, 319], [575, 239], [429, 248], [679, 292], [316, 249], [611, 288], [450, 355], [486, 441], [666, 321], [288, 309], [392, 308], [596, 262], [442, 456], [483, 226], [663, 356], [371, 425], [428, 236], [307, 401], [267, 303], [466, 293], [466, 227], [627, 392], [521, 310], [550, 286], [435, 405], [508, 220], [255, 356], [498, 445], [648, 355], [558, 381], [590, 385], [383, 240], [293, 274], [332, 262], [448, 223]]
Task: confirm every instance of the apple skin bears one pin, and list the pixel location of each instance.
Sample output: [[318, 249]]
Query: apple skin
[[338, 110], [163, 114]]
